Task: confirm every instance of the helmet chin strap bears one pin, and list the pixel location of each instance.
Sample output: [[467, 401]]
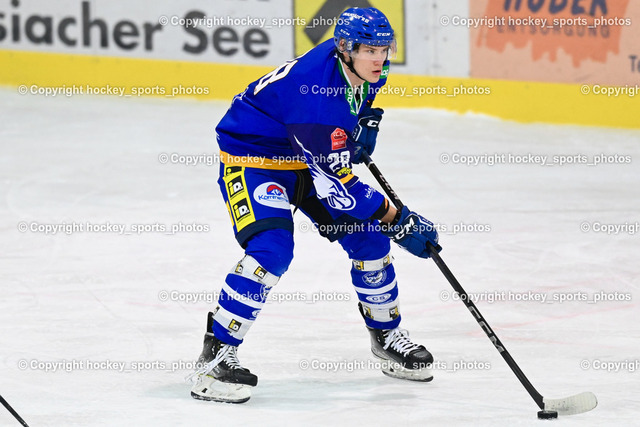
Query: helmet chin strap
[[350, 65]]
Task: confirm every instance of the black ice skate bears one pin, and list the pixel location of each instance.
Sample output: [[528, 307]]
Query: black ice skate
[[220, 377], [403, 359]]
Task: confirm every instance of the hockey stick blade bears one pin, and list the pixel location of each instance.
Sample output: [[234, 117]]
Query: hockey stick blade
[[577, 404]]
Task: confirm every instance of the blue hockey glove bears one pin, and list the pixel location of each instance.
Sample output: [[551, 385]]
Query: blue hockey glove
[[412, 232], [366, 131]]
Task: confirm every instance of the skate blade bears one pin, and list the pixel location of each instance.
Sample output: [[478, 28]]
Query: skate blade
[[421, 376], [396, 370], [209, 389]]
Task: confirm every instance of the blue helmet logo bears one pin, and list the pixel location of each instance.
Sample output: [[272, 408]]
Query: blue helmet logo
[[363, 26]]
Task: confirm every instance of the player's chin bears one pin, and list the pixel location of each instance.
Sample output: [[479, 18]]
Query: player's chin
[[373, 77]]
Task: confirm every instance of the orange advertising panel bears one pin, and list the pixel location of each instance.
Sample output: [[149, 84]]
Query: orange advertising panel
[[564, 41]]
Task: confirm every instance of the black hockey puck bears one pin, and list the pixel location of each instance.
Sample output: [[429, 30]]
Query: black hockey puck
[[547, 415]]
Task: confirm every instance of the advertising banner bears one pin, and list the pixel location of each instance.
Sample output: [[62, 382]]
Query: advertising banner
[[253, 32], [563, 41]]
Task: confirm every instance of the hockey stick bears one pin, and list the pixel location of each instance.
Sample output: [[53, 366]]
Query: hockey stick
[[13, 412], [576, 404]]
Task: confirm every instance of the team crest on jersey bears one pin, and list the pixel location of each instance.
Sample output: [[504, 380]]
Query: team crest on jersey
[[375, 277], [271, 194], [264, 292], [338, 139], [328, 187]]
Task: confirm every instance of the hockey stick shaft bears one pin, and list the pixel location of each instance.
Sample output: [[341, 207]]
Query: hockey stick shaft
[[457, 287], [537, 397], [13, 412], [382, 181]]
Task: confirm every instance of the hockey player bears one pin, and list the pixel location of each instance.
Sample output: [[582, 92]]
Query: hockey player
[[290, 140]]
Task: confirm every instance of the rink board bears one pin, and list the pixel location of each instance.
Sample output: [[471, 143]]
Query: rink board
[[512, 100]]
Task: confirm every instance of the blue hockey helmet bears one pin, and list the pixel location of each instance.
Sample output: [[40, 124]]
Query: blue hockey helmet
[[366, 26]]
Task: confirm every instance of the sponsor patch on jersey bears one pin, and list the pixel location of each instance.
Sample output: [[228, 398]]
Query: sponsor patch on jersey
[[367, 312], [375, 277], [378, 298], [260, 273], [239, 268], [368, 192], [344, 172], [232, 169], [235, 325], [271, 194], [235, 186], [241, 209], [394, 313], [338, 139]]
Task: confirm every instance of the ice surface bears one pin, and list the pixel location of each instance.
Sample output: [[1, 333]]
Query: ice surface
[[97, 297]]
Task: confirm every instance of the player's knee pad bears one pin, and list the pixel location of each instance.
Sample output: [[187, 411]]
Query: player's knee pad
[[273, 249], [376, 286]]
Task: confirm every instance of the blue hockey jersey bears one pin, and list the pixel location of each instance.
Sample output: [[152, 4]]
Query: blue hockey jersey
[[301, 115]]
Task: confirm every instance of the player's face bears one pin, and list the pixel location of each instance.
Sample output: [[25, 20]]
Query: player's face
[[368, 61]]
